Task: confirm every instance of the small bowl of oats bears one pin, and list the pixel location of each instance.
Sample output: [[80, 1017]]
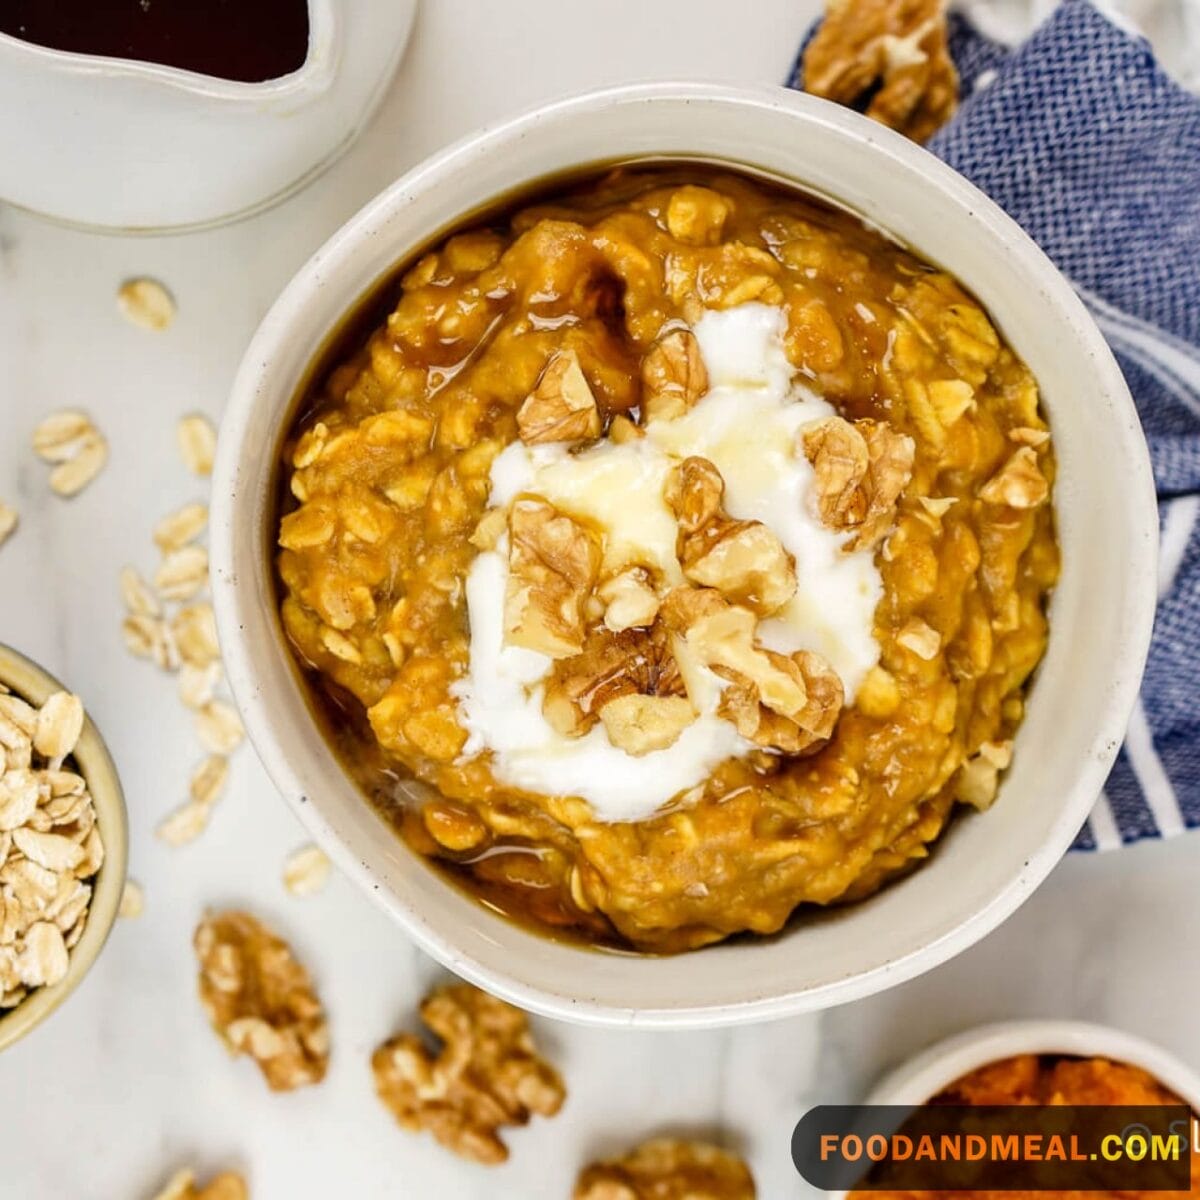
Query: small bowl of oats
[[63, 842]]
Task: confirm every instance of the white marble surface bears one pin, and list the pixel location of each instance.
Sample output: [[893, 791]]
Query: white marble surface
[[126, 1081]]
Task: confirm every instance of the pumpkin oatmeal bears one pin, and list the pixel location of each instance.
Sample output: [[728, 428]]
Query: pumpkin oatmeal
[[674, 554], [1051, 1080]]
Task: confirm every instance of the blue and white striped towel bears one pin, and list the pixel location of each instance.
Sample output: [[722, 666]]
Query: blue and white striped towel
[[1083, 139]]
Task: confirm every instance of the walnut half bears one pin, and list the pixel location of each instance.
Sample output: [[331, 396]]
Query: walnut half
[[561, 408], [744, 560], [612, 665], [667, 1169], [641, 724], [889, 59], [488, 1074], [261, 1000], [228, 1185], [860, 469], [674, 376], [779, 702], [552, 564]]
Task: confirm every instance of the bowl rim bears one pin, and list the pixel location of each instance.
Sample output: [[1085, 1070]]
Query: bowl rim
[[928, 1072], [33, 684], [304, 289]]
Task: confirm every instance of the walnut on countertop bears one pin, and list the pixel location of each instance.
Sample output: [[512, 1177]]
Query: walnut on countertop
[[260, 999], [228, 1185], [487, 1075], [887, 58], [668, 1169]]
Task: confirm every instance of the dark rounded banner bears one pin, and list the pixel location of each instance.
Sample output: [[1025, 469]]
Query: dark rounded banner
[[1026, 1148]]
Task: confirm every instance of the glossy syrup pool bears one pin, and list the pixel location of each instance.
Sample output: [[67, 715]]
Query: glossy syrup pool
[[227, 39]]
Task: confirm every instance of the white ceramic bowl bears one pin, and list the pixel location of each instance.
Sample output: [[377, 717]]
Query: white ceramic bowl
[[934, 1069], [1102, 609], [139, 147]]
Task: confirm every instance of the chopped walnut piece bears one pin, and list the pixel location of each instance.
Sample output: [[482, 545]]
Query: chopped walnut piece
[[724, 638], [807, 727], [978, 779], [789, 704], [228, 1185], [673, 376], [744, 560], [890, 56], [632, 661], [488, 1074], [667, 1169], [261, 1000], [860, 469], [1019, 483], [937, 506], [552, 565], [561, 408], [640, 724], [629, 599], [621, 430]]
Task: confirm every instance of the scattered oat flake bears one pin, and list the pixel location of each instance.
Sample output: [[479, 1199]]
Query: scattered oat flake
[[208, 780], [61, 435], [139, 634], [195, 632], [8, 521], [306, 871], [219, 727], [187, 822], [133, 900], [182, 573], [146, 303], [197, 443], [71, 477], [197, 685], [184, 525], [139, 597]]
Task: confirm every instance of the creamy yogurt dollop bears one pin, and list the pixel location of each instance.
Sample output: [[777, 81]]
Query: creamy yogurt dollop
[[747, 425]]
